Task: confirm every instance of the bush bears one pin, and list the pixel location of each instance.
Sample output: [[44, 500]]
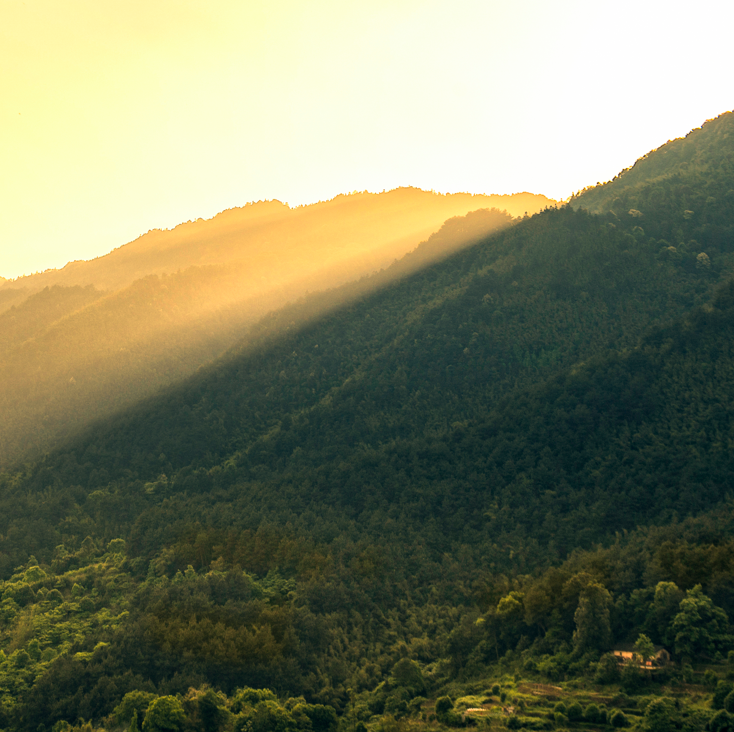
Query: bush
[[591, 713], [729, 702], [618, 719], [710, 678], [575, 712], [496, 690], [561, 719]]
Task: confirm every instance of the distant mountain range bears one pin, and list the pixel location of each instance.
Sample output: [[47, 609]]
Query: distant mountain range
[[83, 341], [278, 245]]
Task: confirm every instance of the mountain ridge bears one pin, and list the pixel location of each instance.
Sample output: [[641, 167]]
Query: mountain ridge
[[406, 499], [214, 236], [169, 324]]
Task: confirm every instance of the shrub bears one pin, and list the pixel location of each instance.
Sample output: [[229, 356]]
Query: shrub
[[591, 713], [575, 712], [618, 719]]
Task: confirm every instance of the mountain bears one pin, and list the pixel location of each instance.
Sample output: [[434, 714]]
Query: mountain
[[400, 493], [277, 244], [82, 342]]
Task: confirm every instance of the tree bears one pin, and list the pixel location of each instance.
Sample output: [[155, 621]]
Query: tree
[[443, 705], [665, 606], [723, 689], [132, 704], [607, 670], [211, 712], [660, 716], [269, 716], [165, 714], [644, 648], [407, 673], [593, 630], [721, 722], [699, 627]]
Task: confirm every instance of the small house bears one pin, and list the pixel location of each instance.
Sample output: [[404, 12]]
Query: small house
[[627, 655]]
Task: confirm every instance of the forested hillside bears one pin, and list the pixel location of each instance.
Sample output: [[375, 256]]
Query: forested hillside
[[436, 498], [82, 342], [685, 171]]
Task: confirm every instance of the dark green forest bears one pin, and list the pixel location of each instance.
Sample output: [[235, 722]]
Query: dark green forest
[[442, 496]]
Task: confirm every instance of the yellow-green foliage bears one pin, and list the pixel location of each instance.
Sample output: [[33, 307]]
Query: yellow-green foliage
[[467, 702], [44, 615]]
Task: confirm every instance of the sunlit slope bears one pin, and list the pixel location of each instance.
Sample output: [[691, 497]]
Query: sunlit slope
[[277, 244], [439, 347], [69, 355]]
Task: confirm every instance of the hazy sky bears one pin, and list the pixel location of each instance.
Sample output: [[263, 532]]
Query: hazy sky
[[119, 116]]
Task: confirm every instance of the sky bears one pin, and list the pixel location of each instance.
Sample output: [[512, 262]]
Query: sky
[[121, 116]]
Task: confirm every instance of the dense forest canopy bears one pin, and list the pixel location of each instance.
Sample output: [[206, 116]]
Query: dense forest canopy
[[446, 492]]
